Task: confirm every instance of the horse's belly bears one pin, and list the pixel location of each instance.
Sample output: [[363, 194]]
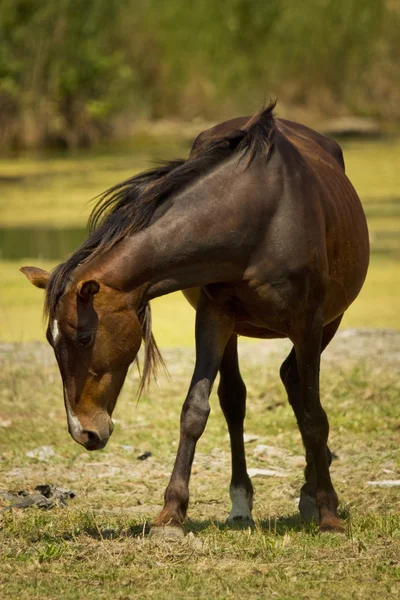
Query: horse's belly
[[348, 267], [254, 316]]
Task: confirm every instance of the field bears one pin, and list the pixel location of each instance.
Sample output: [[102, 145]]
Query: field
[[97, 546]]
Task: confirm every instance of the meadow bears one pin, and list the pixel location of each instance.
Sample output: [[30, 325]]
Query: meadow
[[97, 546]]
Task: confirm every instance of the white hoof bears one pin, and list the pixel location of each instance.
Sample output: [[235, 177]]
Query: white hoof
[[241, 505]]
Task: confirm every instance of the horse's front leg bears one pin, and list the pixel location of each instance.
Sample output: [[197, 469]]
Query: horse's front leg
[[212, 334]]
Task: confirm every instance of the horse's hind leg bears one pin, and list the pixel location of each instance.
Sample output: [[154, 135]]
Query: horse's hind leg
[[232, 398], [303, 393]]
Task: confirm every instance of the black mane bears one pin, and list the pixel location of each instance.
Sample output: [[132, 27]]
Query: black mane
[[128, 207]]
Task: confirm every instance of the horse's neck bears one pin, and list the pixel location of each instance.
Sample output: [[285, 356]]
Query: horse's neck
[[188, 246]]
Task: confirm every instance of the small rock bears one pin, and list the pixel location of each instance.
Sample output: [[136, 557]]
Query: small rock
[[5, 423], [110, 472], [126, 447], [194, 542], [385, 483], [263, 452], [250, 437], [15, 473], [42, 453], [254, 472]]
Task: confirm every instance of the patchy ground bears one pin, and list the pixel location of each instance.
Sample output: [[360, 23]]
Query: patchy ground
[[96, 546]]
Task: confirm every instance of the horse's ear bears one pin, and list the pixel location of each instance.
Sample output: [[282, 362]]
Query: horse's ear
[[87, 289], [38, 277]]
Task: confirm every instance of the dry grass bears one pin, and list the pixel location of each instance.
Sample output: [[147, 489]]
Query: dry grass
[[97, 547]]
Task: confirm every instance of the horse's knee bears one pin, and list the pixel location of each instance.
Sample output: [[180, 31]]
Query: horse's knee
[[195, 411]]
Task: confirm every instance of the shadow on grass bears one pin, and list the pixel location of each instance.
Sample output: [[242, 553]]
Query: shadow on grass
[[278, 526], [274, 526]]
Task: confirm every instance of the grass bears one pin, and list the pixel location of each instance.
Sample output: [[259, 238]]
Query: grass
[[56, 190], [97, 547]]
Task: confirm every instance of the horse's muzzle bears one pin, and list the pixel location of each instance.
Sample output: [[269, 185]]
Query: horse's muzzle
[[92, 439]]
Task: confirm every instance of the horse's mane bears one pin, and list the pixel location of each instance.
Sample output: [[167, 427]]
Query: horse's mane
[[128, 207]]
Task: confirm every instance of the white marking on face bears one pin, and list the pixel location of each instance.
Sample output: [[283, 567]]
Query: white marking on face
[[74, 424], [241, 508], [55, 332]]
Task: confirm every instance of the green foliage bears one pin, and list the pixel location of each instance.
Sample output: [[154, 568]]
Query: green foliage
[[62, 69], [72, 71]]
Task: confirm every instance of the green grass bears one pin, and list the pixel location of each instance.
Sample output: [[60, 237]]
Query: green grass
[[56, 190], [376, 306], [97, 547]]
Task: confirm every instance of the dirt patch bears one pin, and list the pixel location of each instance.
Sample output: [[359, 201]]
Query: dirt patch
[[348, 346]]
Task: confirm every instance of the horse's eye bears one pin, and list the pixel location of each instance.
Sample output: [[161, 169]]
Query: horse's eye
[[84, 339]]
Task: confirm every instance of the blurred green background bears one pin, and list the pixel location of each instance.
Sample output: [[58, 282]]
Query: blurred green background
[[92, 91]]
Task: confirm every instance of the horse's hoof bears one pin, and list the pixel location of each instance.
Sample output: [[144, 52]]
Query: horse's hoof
[[239, 522], [308, 508], [166, 532], [331, 525]]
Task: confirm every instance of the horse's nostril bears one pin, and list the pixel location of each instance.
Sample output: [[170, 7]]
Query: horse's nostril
[[93, 440]]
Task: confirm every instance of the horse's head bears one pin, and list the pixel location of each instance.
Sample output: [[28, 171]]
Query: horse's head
[[95, 334]]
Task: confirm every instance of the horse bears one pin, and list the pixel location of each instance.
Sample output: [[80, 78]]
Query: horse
[[262, 231]]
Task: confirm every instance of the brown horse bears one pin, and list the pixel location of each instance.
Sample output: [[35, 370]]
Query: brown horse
[[266, 237]]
